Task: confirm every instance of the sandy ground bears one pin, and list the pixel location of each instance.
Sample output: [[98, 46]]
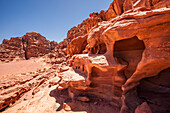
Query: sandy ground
[[24, 66]]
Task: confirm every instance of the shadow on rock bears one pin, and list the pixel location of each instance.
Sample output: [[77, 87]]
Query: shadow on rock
[[60, 96], [68, 104]]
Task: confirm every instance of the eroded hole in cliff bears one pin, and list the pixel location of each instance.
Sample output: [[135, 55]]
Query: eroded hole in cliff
[[155, 91], [131, 51], [99, 49]]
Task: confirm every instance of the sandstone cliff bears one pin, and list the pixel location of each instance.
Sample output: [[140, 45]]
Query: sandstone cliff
[[118, 61], [129, 44], [30, 45]]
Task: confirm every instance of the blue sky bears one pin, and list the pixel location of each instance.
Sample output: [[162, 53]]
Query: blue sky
[[51, 18]]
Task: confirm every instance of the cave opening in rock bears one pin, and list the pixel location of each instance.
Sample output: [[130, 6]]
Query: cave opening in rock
[[131, 51], [78, 67], [99, 49], [155, 91]]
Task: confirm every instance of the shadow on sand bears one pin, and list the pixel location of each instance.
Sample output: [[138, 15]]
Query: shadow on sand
[[94, 106]]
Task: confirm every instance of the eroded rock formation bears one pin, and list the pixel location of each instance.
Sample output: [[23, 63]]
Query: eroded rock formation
[[22, 87], [128, 46], [30, 45], [117, 60]]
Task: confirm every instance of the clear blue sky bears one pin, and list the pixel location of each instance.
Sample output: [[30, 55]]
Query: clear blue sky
[[51, 18]]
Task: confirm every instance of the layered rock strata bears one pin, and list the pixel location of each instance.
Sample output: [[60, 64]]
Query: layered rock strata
[[120, 62], [27, 85], [30, 45], [128, 46]]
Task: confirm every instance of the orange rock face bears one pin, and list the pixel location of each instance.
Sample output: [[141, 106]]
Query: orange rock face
[[77, 45], [30, 45], [118, 61], [128, 45], [9, 49]]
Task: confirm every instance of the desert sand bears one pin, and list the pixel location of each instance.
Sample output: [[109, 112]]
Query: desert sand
[[18, 67]]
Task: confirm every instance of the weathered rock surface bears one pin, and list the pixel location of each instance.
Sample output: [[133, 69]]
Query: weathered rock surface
[[120, 62], [77, 45], [15, 87], [10, 49], [143, 108], [30, 45], [18, 90], [129, 44]]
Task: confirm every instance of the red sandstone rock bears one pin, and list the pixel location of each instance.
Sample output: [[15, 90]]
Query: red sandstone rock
[[128, 5], [83, 99], [30, 45], [143, 108], [10, 49], [110, 13], [54, 81], [13, 88], [77, 45], [53, 44], [143, 3], [126, 62], [133, 37], [35, 45]]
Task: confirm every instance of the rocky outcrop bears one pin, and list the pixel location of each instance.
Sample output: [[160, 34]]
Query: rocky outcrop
[[120, 62], [117, 7], [129, 44], [77, 45], [11, 49], [28, 84], [30, 45]]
